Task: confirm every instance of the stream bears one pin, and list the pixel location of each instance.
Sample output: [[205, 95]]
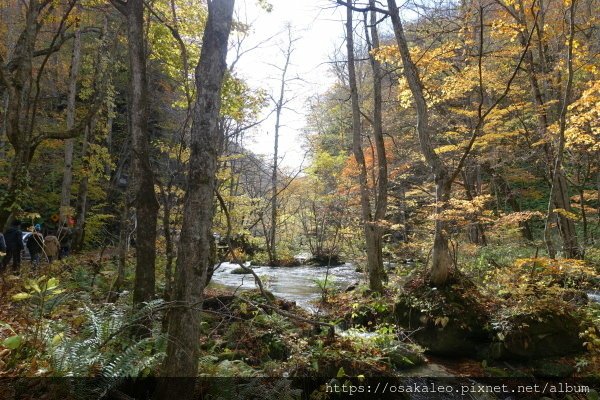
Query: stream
[[298, 284]]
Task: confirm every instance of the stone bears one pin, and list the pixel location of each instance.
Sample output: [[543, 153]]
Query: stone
[[552, 369], [534, 336], [401, 357], [241, 271], [449, 321]]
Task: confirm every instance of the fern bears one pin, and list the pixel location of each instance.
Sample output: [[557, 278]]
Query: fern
[[103, 348], [133, 361], [266, 389]]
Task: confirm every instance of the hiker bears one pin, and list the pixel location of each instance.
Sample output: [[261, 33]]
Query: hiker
[[51, 247], [35, 245], [2, 244], [13, 238]]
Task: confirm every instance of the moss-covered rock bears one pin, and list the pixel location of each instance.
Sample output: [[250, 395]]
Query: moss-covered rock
[[552, 369], [401, 356], [241, 271], [324, 260], [230, 355], [448, 321], [550, 333]]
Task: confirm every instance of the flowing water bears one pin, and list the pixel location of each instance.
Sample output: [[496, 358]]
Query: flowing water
[[302, 284], [594, 296]]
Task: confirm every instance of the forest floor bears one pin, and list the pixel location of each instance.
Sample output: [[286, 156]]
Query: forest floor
[[57, 321]]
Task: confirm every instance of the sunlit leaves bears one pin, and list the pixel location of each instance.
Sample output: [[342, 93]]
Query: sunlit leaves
[[583, 132], [240, 102]]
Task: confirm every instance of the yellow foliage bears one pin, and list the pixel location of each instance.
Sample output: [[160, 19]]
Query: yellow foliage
[[567, 214], [583, 128]]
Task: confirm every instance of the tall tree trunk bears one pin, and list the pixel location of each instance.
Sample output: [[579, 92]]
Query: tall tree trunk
[[273, 228], [17, 183], [123, 244], [441, 257], [381, 198], [194, 255], [82, 193], [559, 192], [279, 104], [169, 248], [65, 198], [89, 140], [566, 227], [145, 202], [371, 231]]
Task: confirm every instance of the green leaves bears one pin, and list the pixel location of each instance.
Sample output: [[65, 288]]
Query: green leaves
[[13, 342], [21, 296], [40, 286]]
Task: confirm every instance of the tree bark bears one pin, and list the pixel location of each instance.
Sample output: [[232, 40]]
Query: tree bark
[[194, 253], [82, 193], [65, 198], [145, 202]]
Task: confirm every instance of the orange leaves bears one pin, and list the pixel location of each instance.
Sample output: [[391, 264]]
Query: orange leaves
[[464, 212], [518, 217]]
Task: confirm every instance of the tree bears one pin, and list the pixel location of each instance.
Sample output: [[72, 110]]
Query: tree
[[194, 252], [145, 202], [444, 176], [21, 83], [65, 200], [280, 102], [371, 223]]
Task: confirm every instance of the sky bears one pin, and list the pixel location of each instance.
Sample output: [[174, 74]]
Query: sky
[[318, 27]]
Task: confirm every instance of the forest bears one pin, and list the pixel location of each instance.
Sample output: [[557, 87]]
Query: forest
[[443, 224]]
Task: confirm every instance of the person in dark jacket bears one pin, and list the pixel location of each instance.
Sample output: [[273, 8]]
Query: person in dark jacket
[[2, 244], [14, 244], [35, 245]]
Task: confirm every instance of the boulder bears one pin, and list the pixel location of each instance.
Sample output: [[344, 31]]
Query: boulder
[[534, 336], [241, 271], [552, 369], [449, 321], [324, 260], [401, 357]]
